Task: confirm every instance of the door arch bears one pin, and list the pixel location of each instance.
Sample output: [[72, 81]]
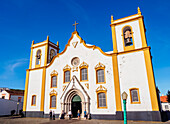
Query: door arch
[[68, 97]]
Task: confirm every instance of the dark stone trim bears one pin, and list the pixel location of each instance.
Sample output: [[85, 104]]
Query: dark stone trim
[[165, 115], [144, 116], [47, 115], [39, 114], [132, 115]]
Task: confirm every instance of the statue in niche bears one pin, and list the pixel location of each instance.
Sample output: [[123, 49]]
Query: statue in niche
[[127, 36]]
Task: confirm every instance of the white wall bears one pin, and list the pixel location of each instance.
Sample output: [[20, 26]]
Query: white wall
[[92, 58], [163, 106], [15, 98], [7, 105], [34, 88], [4, 93], [132, 72]]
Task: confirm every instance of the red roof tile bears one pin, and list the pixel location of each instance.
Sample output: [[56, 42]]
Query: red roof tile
[[16, 92], [163, 99]]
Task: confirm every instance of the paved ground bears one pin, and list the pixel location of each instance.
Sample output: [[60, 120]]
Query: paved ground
[[17, 120]]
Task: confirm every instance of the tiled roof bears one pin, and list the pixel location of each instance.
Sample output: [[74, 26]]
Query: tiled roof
[[16, 92], [163, 99]]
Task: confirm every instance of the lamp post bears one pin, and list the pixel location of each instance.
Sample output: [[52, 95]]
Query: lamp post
[[124, 97], [17, 107]]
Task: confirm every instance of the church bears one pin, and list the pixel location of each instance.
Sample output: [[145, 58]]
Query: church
[[83, 77]]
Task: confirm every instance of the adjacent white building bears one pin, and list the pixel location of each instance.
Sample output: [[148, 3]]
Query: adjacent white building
[[12, 94], [83, 77], [164, 103]]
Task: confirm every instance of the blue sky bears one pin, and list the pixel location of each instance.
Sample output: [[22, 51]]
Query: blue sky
[[22, 21]]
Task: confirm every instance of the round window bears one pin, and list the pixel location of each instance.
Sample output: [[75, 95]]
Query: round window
[[75, 61]]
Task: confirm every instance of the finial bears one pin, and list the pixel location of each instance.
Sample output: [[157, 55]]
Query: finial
[[47, 38], [57, 43], [32, 43], [139, 12], [112, 20]]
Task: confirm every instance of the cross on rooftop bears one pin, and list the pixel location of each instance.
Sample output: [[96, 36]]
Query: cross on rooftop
[[75, 25]]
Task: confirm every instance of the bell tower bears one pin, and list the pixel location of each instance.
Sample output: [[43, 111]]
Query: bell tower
[[42, 53], [128, 33], [132, 62]]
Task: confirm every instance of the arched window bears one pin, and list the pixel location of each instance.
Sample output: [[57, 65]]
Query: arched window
[[67, 76], [134, 96], [38, 58], [100, 76], [127, 35], [67, 73], [52, 54], [83, 71], [101, 100], [54, 81], [101, 97], [100, 73], [54, 75], [83, 74], [33, 103], [53, 101]]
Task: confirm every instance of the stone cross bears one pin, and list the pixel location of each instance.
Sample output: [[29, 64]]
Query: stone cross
[[75, 25]]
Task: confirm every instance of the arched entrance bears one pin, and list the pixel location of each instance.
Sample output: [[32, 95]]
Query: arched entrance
[[76, 105], [75, 97]]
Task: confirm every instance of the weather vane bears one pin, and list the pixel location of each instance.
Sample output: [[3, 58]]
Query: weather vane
[[75, 25]]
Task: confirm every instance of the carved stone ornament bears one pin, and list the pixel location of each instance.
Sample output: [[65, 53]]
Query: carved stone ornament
[[83, 65], [74, 69], [75, 61], [101, 88], [99, 65], [53, 92], [67, 67], [87, 85], [54, 72], [64, 87], [75, 44]]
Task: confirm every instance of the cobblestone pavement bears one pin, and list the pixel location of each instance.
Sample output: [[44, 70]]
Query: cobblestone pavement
[[17, 120]]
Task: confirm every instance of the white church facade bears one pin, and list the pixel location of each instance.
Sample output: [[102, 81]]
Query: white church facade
[[83, 77]]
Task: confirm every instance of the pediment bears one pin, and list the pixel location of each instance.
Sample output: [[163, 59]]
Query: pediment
[[74, 84], [74, 42], [101, 88]]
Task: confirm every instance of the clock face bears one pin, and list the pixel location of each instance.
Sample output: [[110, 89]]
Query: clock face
[[75, 61]]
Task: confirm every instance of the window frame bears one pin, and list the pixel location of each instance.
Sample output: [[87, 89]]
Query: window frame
[[83, 67], [33, 99], [66, 68], [100, 66], [65, 75], [53, 75], [98, 92], [38, 65], [128, 47], [51, 101], [131, 96]]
